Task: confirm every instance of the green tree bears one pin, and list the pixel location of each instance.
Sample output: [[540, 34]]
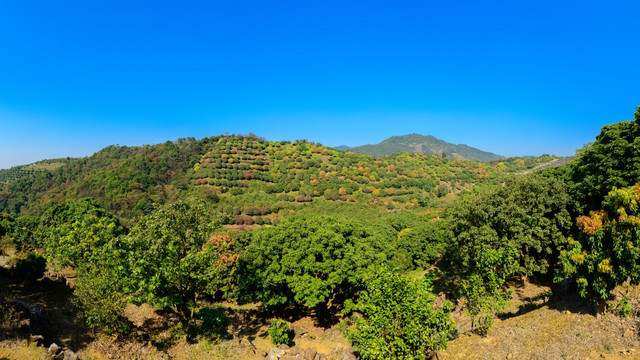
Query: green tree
[[395, 318], [515, 229], [72, 230], [526, 220], [309, 261], [175, 260], [611, 161], [102, 287]]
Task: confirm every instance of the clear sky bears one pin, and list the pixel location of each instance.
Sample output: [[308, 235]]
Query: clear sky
[[510, 77]]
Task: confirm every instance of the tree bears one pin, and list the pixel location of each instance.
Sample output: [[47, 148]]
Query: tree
[[607, 250], [613, 160], [72, 230], [175, 260], [424, 242], [513, 230], [396, 318], [309, 261], [527, 218], [102, 287]]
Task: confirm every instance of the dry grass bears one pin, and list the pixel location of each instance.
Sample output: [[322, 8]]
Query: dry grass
[[560, 329], [21, 350]]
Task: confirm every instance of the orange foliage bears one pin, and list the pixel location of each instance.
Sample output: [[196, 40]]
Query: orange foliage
[[592, 223]]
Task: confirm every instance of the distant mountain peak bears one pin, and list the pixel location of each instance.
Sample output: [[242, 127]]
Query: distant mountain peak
[[424, 144], [342, 147]]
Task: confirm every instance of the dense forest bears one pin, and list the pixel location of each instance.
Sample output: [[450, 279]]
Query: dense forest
[[387, 247]]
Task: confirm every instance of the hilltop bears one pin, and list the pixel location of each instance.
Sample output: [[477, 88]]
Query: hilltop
[[416, 143], [245, 172]]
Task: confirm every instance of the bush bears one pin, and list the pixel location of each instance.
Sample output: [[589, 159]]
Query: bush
[[397, 319], [30, 269], [280, 332]]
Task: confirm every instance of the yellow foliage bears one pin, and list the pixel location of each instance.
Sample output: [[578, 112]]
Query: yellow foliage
[[577, 258], [604, 267], [403, 233]]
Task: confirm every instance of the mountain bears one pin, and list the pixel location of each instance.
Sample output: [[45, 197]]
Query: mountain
[[242, 173], [416, 143], [342, 147]]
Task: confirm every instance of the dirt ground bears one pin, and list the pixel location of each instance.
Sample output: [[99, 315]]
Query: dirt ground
[[563, 328]]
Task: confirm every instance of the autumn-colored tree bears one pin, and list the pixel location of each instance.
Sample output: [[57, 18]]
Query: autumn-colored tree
[[607, 251]]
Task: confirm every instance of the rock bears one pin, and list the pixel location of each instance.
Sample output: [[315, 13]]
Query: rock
[[247, 343], [309, 354], [295, 351], [38, 339], [342, 354], [510, 356], [70, 355], [284, 347], [299, 331], [320, 357], [290, 357], [26, 317], [54, 349], [275, 353]]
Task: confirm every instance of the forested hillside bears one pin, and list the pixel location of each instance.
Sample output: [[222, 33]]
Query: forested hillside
[[227, 240], [430, 145], [247, 171], [17, 172]]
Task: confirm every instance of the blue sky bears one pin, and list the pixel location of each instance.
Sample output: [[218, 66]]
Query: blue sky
[[510, 77]]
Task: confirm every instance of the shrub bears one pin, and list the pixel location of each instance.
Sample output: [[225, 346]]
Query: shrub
[[280, 332], [396, 318], [31, 268]]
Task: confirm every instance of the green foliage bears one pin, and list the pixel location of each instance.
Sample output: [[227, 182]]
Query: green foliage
[[513, 230], [396, 319], [611, 161], [100, 290], [280, 332], [309, 261], [31, 268], [623, 309], [214, 321], [175, 260], [607, 250], [522, 224], [484, 295], [424, 242], [71, 231], [17, 172]]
